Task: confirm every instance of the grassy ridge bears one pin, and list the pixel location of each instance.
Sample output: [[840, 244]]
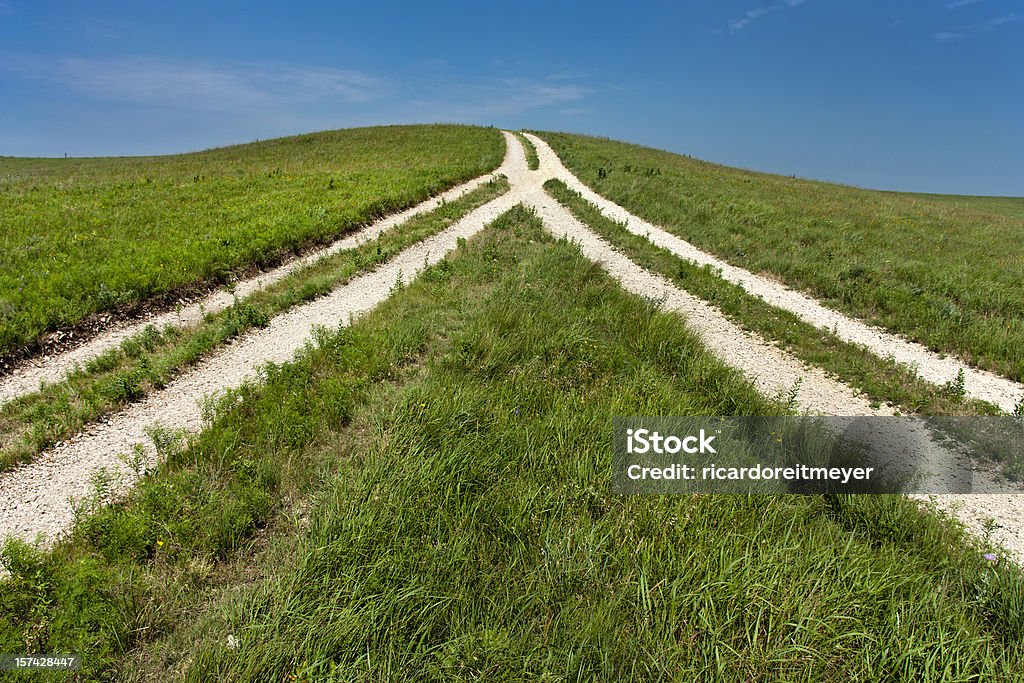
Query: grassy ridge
[[154, 357], [949, 277], [425, 496], [79, 236]]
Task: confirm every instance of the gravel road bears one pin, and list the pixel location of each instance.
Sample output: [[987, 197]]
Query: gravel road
[[34, 499]]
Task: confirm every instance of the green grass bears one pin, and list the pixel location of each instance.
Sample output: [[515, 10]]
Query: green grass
[[149, 360], [950, 277], [82, 236], [880, 379], [425, 496], [532, 160], [1007, 206]]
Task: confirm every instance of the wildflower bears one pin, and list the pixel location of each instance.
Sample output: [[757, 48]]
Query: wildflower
[[991, 557], [159, 542]]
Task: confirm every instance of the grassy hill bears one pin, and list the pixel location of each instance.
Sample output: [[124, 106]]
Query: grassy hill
[[425, 496], [946, 272], [82, 236]]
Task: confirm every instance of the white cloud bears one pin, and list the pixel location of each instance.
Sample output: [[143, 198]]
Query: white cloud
[[453, 99], [961, 3], [737, 25], [1005, 19], [974, 29], [220, 87], [539, 93], [567, 75]]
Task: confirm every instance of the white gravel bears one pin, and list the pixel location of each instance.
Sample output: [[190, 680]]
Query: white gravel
[[34, 498], [930, 366], [28, 375]]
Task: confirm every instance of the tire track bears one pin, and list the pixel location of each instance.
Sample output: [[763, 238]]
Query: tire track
[[29, 374], [35, 498], [978, 384], [772, 370]]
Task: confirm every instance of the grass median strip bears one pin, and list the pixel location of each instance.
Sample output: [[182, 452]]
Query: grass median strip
[[425, 495], [881, 379], [84, 236], [146, 362], [532, 160], [949, 277]]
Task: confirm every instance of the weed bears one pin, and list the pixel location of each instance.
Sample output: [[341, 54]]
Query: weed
[[124, 387], [790, 400], [102, 484], [453, 540], [136, 461], [532, 160], [957, 386]]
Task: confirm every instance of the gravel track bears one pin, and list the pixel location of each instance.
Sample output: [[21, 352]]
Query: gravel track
[[29, 374], [771, 370], [978, 384], [34, 499], [774, 371]]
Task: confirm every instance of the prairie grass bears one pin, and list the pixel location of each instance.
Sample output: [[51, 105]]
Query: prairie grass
[[425, 496], [1007, 206], [948, 274], [881, 379], [149, 360], [83, 236]]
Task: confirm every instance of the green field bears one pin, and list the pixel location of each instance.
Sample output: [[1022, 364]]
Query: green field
[[81, 236], [425, 496], [950, 276]]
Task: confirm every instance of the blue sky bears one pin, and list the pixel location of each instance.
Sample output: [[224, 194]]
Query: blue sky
[[911, 95]]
